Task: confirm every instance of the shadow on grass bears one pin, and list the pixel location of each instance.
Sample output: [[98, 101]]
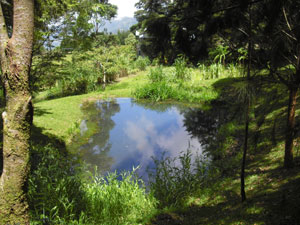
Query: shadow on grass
[[273, 193], [117, 85], [39, 138], [40, 112]]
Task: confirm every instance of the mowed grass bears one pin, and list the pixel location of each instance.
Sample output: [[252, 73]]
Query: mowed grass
[[60, 116]]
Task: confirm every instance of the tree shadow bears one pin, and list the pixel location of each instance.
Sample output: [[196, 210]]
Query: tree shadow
[[40, 112], [273, 193]]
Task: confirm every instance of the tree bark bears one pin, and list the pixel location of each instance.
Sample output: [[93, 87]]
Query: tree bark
[[289, 140], [16, 53]]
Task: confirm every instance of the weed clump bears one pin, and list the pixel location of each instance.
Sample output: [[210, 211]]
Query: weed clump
[[173, 180]]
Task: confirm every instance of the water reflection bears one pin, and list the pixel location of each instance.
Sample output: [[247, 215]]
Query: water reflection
[[93, 141], [120, 134]]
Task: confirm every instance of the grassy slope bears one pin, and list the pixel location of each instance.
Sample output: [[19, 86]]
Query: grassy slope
[[273, 193]]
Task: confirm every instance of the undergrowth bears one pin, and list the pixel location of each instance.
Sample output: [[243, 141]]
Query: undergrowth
[[59, 194], [177, 83], [173, 180]]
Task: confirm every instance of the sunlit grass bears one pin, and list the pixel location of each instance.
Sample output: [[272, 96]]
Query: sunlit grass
[[218, 201], [58, 116]]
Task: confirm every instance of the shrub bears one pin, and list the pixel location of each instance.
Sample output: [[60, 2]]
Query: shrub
[[142, 62]]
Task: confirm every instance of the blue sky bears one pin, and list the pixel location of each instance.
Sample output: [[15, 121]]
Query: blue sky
[[125, 7]]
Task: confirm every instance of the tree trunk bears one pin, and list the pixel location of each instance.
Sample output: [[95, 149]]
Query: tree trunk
[[289, 140], [16, 53], [248, 102], [243, 193]]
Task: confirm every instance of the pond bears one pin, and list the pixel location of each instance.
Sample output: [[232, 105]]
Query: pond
[[120, 134]]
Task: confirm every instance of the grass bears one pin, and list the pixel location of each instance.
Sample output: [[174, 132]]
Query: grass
[[60, 194], [177, 83], [59, 117], [272, 192]]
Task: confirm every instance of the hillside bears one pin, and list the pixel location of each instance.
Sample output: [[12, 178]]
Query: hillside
[[120, 24]]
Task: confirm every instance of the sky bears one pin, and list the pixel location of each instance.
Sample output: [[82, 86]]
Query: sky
[[125, 7]]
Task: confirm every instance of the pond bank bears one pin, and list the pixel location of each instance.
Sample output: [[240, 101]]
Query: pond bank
[[273, 193]]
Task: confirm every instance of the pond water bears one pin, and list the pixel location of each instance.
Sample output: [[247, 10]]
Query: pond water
[[120, 134]]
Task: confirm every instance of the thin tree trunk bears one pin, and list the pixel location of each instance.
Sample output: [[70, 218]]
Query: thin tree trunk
[[16, 54], [243, 193], [289, 140], [248, 102]]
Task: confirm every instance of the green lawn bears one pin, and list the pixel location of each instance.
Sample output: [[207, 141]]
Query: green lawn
[[59, 116]]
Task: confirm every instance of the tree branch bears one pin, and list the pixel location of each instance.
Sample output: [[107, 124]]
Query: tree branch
[[236, 6], [290, 36], [288, 24]]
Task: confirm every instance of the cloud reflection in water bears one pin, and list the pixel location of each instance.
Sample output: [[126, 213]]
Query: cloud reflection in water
[[137, 133]]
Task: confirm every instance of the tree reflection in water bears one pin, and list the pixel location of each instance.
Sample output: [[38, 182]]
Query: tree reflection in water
[[93, 139]]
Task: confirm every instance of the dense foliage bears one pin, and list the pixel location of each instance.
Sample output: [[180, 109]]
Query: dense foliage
[[104, 63]]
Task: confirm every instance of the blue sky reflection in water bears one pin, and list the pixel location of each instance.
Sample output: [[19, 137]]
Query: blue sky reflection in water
[[126, 134]]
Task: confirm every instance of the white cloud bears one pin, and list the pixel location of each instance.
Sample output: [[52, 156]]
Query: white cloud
[[145, 136], [125, 7]]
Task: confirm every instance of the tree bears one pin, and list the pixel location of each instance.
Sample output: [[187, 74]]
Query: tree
[[15, 55], [283, 51], [82, 21], [174, 27]]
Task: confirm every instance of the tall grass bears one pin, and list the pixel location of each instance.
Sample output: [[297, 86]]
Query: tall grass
[[55, 192], [119, 199], [58, 194], [173, 180], [218, 70], [156, 74], [176, 83], [181, 70], [157, 91]]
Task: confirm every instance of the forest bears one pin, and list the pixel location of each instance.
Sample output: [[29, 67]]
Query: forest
[[233, 69]]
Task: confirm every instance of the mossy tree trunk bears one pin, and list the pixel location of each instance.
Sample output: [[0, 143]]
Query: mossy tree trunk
[[293, 88], [15, 55], [290, 133]]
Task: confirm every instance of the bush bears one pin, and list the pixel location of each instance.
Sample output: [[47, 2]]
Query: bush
[[142, 62]]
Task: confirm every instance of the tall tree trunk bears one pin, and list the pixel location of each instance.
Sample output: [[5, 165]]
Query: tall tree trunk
[[248, 102], [289, 140], [16, 53]]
